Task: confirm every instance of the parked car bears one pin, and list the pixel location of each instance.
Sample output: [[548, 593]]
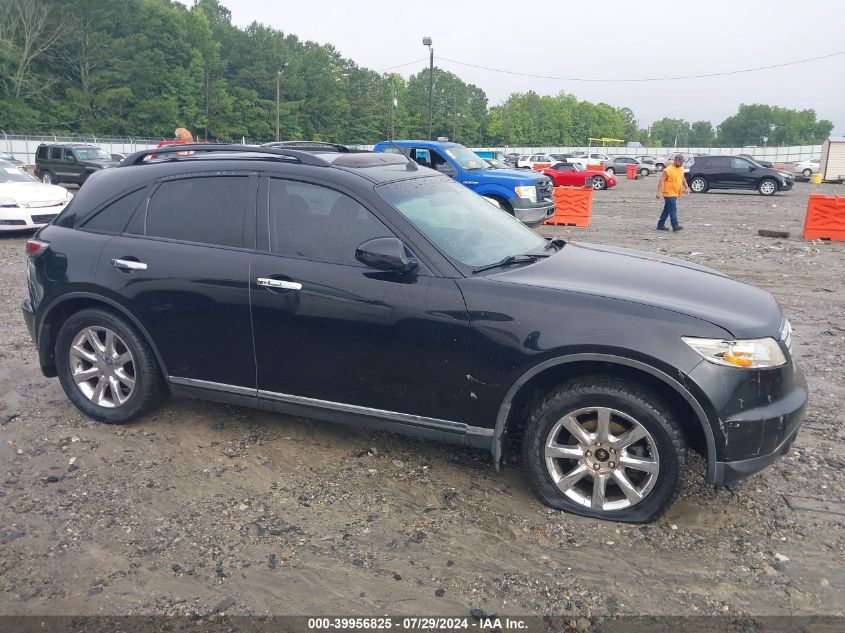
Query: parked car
[[511, 159], [359, 287], [26, 203], [620, 164], [569, 175], [584, 159], [806, 168], [525, 194], [535, 161], [117, 157], [70, 162], [762, 163], [561, 158], [648, 160], [660, 162], [9, 158], [734, 172]]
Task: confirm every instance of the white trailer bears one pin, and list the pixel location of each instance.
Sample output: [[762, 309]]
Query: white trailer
[[832, 164]]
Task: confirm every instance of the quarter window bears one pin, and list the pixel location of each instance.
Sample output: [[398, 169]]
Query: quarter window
[[319, 223], [114, 217], [208, 210]]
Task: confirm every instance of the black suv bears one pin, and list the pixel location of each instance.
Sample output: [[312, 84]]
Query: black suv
[[70, 162], [356, 287], [734, 172]]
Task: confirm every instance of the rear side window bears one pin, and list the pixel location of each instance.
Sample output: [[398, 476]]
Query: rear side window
[[113, 218], [207, 210], [55, 153], [42, 152]]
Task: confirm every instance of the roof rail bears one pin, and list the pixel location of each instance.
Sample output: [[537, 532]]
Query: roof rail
[[195, 148], [309, 145]]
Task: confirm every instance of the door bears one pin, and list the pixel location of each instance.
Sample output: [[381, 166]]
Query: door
[[182, 269], [332, 330], [74, 168], [743, 174]]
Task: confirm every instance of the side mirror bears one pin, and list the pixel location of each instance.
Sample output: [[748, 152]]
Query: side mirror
[[751, 168], [386, 253]]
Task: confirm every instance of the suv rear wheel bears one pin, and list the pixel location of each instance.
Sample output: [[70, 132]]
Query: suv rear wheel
[[106, 369], [605, 448], [768, 187]]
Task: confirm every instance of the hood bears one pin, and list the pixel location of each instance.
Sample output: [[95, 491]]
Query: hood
[[649, 279], [26, 192], [513, 176], [104, 162]]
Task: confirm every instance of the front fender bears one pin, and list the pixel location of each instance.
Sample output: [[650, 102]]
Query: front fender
[[494, 189]]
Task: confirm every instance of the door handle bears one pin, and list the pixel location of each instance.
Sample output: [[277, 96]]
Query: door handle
[[280, 284], [126, 264]]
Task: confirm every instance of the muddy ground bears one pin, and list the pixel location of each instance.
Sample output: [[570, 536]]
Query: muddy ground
[[203, 507]]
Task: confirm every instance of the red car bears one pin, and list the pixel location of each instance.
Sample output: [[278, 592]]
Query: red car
[[575, 176]]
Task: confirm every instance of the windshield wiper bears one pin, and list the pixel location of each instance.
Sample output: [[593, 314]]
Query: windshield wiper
[[511, 259]]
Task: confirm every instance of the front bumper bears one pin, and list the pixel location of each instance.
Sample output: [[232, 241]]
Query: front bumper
[[24, 219], [759, 415], [532, 213]]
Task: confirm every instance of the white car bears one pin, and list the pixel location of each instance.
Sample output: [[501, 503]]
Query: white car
[[806, 168], [535, 161], [584, 159], [26, 203]]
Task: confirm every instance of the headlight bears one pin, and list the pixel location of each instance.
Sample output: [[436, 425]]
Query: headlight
[[8, 202], [753, 353], [529, 192]]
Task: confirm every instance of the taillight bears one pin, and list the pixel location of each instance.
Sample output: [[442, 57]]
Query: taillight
[[36, 247]]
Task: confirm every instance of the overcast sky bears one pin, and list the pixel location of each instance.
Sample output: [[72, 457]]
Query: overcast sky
[[607, 39]]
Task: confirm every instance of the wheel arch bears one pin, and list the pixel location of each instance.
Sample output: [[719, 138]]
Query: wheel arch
[[67, 305], [529, 387]]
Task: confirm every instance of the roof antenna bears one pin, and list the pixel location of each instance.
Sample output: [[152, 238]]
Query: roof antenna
[[411, 165]]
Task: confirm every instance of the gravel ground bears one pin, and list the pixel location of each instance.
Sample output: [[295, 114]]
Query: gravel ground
[[202, 508]]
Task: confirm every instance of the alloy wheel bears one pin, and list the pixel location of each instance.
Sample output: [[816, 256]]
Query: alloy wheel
[[602, 458], [767, 187], [698, 185], [599, 183], [102, 367], [47, 178]]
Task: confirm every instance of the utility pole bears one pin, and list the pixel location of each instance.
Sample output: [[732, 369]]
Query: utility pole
[[278, 81], [427, 42], [206, 105], [392, 109]]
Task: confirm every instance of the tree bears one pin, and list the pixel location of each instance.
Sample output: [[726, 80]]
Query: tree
[[701, 134], [759, 124]]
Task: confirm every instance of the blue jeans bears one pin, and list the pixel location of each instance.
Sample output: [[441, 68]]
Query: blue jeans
[[670, 210]]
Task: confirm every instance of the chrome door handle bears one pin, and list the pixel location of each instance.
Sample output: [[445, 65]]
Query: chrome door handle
[[279, 283], [126, 264]]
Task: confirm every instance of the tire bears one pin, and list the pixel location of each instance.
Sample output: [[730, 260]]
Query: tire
[[807, 173], [48, 178], [645, 172], [599, 183], [657, 458], [699, 184], [130, 388], [493, 201], [610, 170], [767, 187], [659, 166]]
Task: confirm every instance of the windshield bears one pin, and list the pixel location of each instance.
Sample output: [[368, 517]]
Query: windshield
[[91, 153], [10, 173], [466, 158], [460, 223]]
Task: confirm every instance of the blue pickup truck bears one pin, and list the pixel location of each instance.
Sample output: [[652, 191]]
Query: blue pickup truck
[[525, 194]]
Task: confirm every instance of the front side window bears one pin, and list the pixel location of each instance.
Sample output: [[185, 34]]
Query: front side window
[[68, 155], [207, 210], [319, 223], [740, 163], [460, 223]]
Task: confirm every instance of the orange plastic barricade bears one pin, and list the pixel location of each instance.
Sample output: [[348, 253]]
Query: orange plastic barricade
[[825, 218], [595, 167], [632, 172], [573, 206], [540, 166]]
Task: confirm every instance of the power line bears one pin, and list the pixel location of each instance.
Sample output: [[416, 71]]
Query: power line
[[416, 61], [624, 79]]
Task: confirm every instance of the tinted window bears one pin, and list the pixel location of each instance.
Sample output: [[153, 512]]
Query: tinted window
[[319, 223], [740, 163], [114, 217], [68, 154], [562, 167], [55, 153], [42, 152], [206, 210], [716, 162]]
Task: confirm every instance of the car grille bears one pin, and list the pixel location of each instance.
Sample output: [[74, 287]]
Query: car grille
[[39, 204], [44, 219], [544, 190]]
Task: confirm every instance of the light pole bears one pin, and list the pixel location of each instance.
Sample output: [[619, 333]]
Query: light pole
[[278, 81], [427, 42]]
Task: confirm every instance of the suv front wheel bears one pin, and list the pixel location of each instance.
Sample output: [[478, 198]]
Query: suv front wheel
[[605, 448], [768, 187], [48, 179], [699, 184], [106, 369]]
